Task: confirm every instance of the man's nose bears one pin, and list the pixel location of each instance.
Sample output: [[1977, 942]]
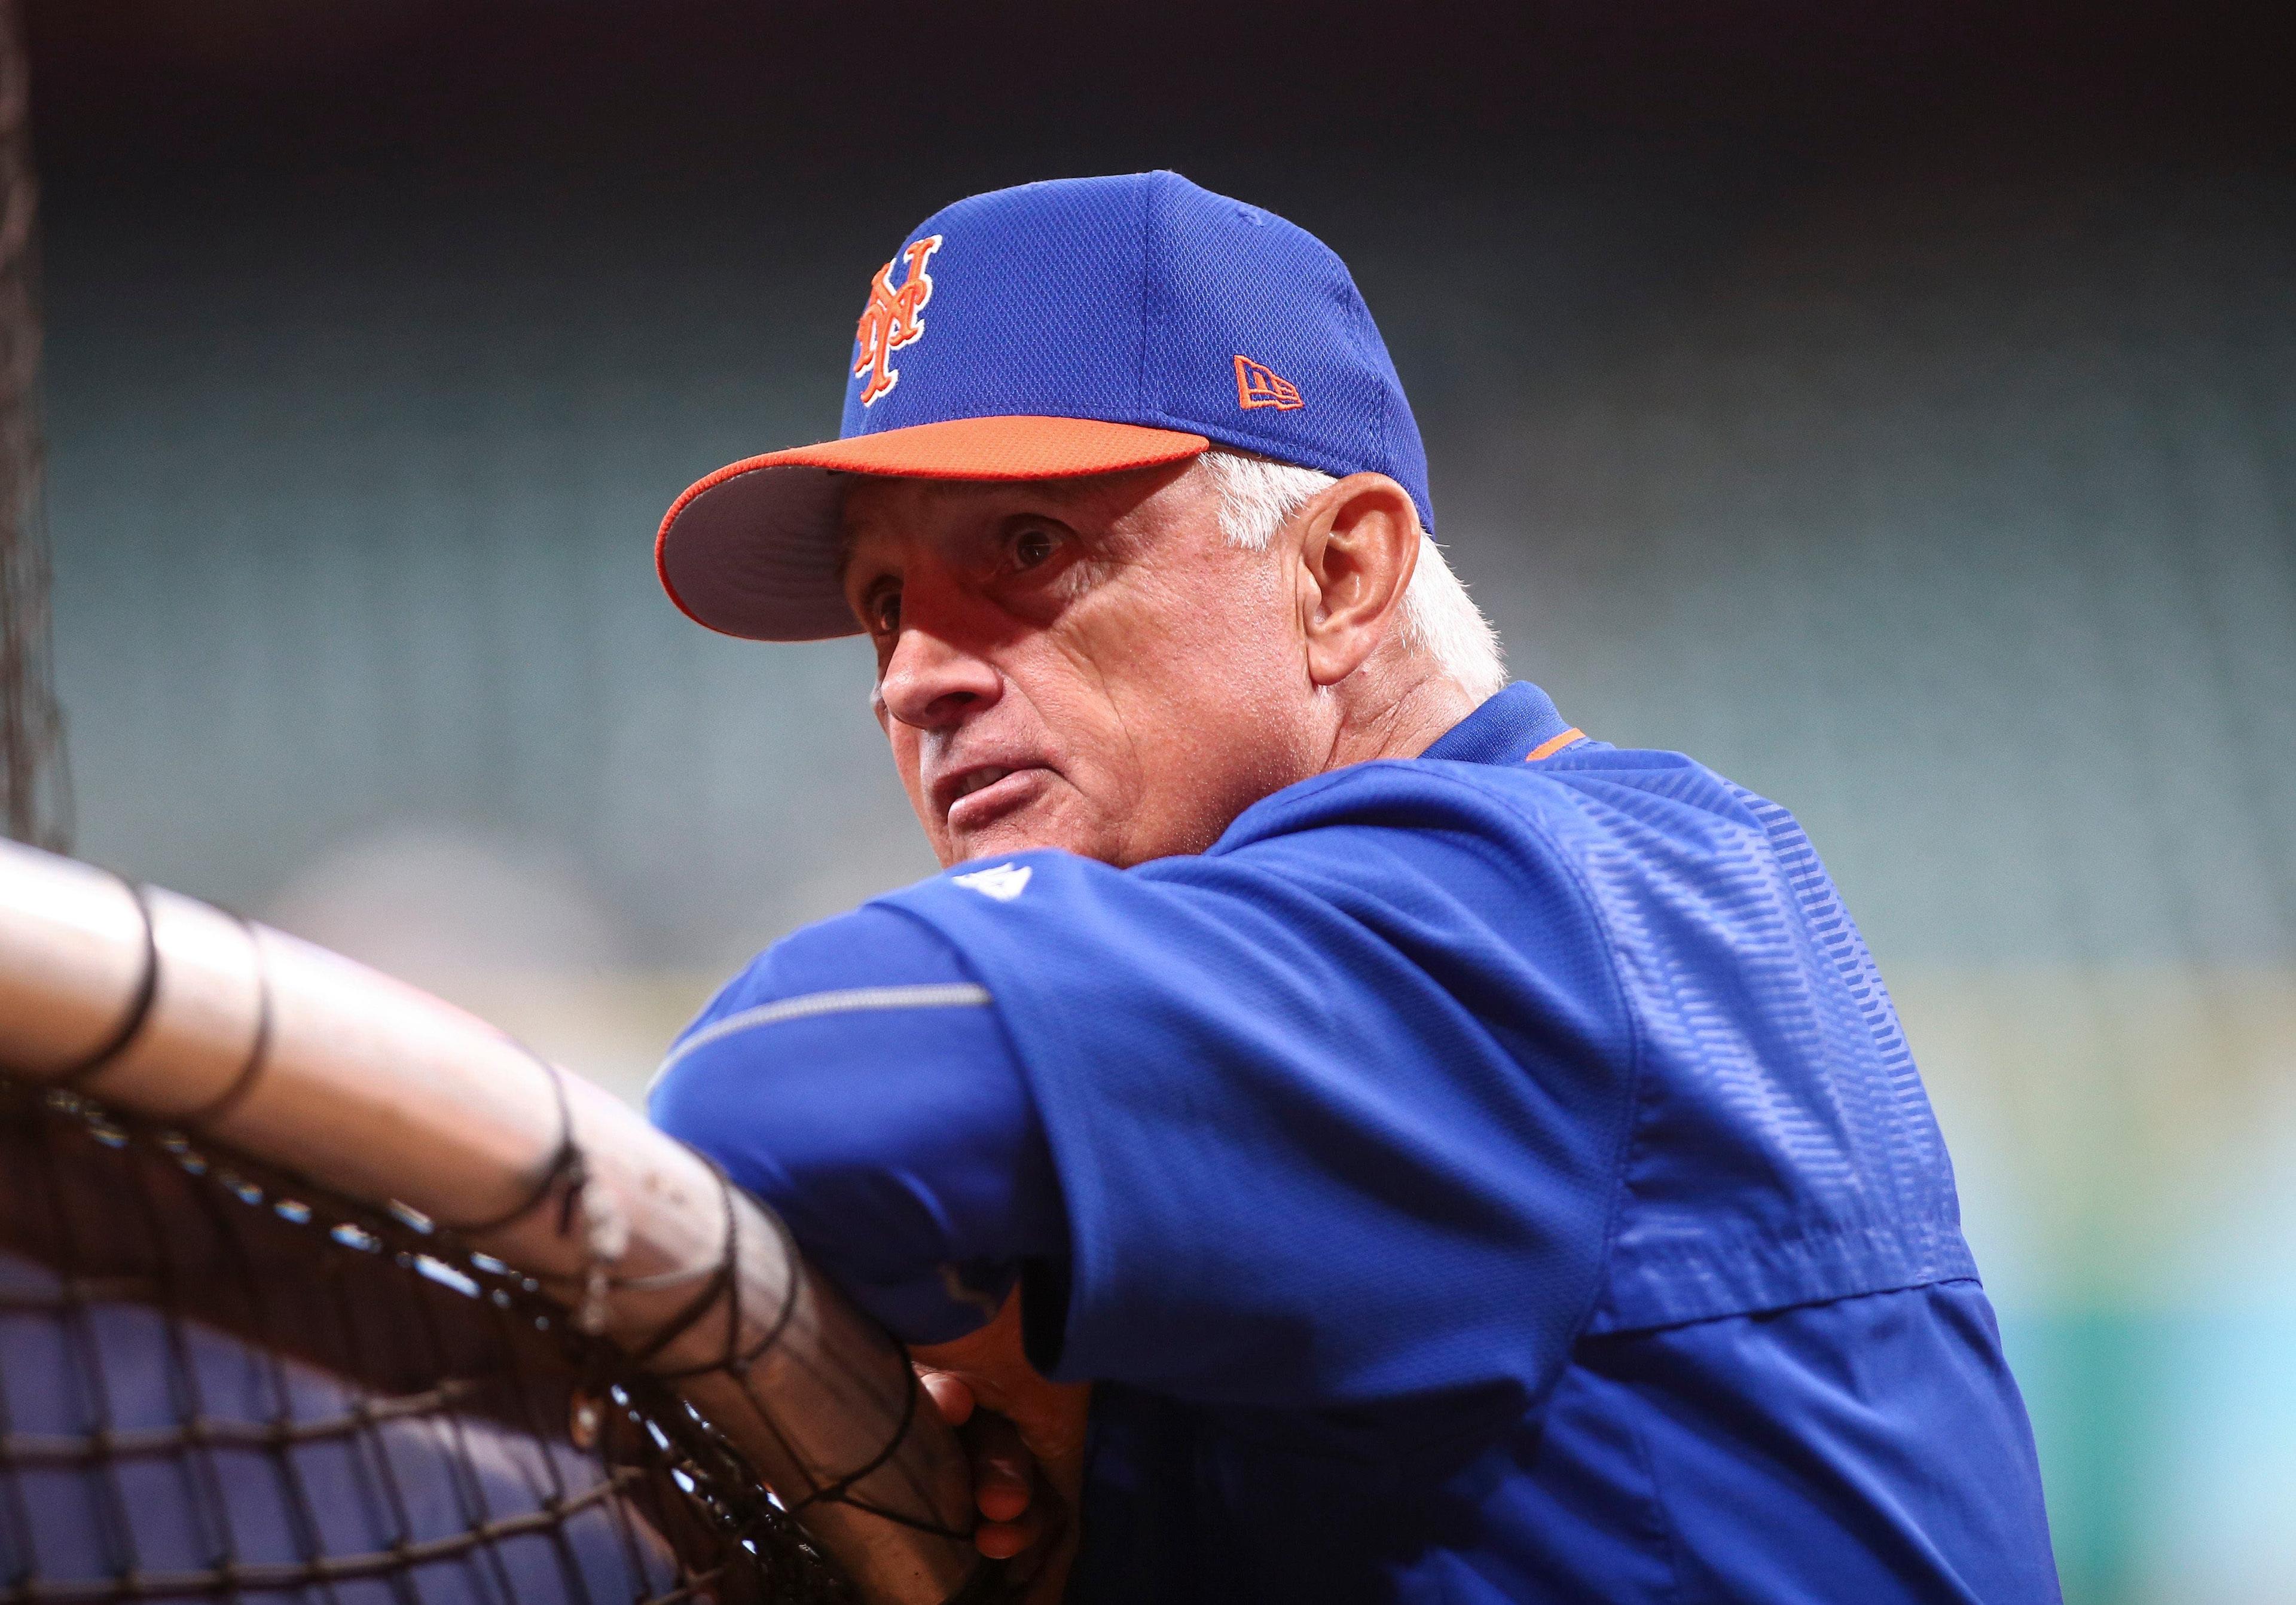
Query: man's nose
[[931, 683]]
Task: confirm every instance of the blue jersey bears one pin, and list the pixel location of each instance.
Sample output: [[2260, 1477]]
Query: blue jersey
[[1498, 1176]]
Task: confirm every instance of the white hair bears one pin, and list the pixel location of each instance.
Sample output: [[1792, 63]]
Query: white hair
[[1258, 496]]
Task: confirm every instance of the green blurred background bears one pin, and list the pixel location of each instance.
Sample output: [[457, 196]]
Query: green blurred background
[[1896, 413]]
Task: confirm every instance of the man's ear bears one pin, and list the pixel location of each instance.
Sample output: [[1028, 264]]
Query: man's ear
[[1356, 555]]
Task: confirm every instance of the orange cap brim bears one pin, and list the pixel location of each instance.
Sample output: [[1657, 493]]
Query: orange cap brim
[[752, 550]]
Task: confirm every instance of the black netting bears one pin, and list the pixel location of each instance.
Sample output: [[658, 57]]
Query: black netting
[[218, 1381]]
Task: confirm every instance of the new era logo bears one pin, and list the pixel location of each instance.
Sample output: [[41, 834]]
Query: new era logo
[[1259, 386]]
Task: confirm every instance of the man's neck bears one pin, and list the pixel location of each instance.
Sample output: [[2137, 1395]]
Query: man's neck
[[1401, 722]]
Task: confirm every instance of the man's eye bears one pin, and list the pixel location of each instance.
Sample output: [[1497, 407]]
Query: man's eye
[[885, 612], [1032, 547]]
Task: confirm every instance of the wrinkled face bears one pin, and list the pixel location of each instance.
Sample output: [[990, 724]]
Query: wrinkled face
[[1085, 664]]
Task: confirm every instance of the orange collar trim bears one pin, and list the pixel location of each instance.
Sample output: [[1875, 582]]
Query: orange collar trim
[[1554, 744]]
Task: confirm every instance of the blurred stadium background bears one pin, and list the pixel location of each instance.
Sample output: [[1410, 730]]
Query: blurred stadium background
[[1896, 414]]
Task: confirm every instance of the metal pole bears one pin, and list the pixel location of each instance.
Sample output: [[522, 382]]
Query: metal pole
[[35, 786]]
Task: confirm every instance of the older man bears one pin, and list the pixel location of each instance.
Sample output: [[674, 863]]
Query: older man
[[1466, 1161]]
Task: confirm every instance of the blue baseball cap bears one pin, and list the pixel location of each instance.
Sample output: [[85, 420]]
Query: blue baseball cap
[[1080, 326]]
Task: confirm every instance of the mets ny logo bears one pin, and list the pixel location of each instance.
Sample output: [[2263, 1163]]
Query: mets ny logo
[[893, 318]]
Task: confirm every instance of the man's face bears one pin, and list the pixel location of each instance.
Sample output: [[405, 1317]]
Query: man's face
[[1085, 664]]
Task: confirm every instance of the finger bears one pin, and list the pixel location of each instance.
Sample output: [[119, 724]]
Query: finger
[[1004, 1473], [949, 1394], [1001, 1492], [1003, 1540]]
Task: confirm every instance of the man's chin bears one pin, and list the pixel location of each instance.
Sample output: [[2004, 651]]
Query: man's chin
[[1006, 837], [1038, 825]]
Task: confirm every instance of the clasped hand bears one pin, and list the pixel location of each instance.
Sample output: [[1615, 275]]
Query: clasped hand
[[1025, 1438]]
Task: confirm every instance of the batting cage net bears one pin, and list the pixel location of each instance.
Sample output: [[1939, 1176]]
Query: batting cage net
[[223, 1382], [313, 1287]]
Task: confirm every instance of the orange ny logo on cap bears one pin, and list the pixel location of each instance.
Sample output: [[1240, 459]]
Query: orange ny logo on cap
[[1259, 386], [893, 318]]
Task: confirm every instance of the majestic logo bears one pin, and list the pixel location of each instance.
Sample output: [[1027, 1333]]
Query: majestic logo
[[1003, 883], [893, 318], [1259, 386]]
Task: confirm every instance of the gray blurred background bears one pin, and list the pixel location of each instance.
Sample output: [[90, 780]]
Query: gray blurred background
[[1896, 414]]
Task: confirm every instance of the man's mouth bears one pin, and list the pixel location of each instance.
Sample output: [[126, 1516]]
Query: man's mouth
[[972, 799]]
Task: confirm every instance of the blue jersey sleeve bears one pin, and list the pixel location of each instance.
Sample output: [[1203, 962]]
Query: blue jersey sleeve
[[1337, 1108], [857, 1079], [1330, 1116]]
